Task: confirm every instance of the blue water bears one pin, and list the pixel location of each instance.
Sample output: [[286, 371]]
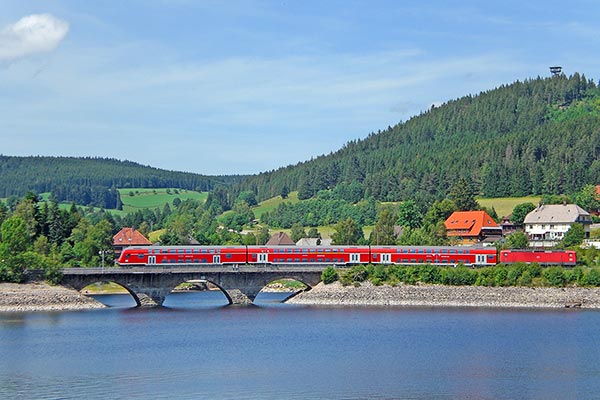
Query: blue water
[[197, 348]]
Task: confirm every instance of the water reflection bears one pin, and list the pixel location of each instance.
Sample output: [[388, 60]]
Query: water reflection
[[194, 300]]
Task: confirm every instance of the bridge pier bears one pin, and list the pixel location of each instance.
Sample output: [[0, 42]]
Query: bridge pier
[[150, 297], [240, 297]]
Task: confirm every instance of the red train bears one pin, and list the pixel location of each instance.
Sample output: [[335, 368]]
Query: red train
[[294, 255], [542, 257]]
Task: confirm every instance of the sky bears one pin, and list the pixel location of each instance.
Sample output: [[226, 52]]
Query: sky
[[247, 86]]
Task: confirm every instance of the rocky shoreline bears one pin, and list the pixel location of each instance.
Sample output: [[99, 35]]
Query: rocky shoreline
[[39, 296], [449, 296]]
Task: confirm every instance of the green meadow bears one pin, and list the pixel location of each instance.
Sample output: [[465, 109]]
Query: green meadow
[[139, 198], [505, 205]]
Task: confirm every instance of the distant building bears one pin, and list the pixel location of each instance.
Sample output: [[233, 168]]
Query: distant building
[[547, 224], [471, 227], [129, 237], [312, 242], [508, 227], [280, 239]]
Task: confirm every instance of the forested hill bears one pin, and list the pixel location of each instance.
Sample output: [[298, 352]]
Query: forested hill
[[92, 180], [540, 136]]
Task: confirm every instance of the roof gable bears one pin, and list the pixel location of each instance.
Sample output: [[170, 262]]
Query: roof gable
[[280, 239], [130, 237]]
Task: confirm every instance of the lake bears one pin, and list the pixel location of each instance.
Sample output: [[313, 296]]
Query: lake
[[197, 348]]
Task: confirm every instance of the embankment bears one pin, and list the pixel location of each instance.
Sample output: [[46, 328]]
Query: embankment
[[40, 296], [449, 296]]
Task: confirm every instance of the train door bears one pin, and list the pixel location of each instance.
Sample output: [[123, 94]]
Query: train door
[[480, 259], [386, 258], [216, 259], [263, 257], [151, 259], [355, 258]]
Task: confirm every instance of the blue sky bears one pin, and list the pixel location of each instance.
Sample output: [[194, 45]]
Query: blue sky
[[226, 87]]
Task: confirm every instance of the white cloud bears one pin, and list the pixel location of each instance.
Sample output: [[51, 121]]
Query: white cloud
[[32, 34]]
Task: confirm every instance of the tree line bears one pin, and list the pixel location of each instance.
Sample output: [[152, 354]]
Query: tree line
[[531, 137], [93, 181]]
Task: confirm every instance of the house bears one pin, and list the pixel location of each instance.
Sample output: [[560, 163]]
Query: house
[[280, 239], [547, 224], [129, 237], [508, 227], [471, 227]]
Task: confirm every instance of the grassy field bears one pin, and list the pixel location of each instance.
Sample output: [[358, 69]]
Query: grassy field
[[272, 203], [139, 198], [504, 205]]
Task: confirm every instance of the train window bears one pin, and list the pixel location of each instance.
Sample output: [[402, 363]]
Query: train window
[[312, 260], [180, 250], [254, 256], [413, 260], [204, 260], [459, 251], [188, 250], [228, 255], [297, 250], [196, 251], [444, 251], [327, 260], [305, 250], [196, 260], [212, 251], [405, 260], [289, 260], [335, 250], [288, 250], [342, 250], [428, 251], [296, 260], [218, 250], [412, 250], [420, 251], [313, 250], [467, 251]]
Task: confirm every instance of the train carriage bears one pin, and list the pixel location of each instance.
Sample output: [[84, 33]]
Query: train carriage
[[281, 255], [437, 255], [182, 255]]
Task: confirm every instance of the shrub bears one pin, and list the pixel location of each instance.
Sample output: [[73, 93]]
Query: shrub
[[555, 276], [525, 279], [380, 273], [591, 277], [459, 276], [429, 274], [485, 277], [329, 275]]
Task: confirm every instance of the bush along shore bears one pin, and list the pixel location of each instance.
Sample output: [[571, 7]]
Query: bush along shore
[[517, 285]]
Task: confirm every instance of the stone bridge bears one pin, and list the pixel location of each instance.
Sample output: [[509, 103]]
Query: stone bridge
[[150, 285]]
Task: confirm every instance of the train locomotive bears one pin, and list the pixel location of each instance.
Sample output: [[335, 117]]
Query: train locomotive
[[337, 255]]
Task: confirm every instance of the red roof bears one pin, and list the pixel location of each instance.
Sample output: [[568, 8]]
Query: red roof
[[468, 223], [130, 237]]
